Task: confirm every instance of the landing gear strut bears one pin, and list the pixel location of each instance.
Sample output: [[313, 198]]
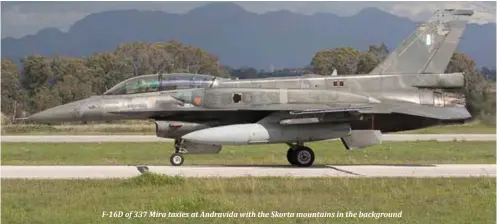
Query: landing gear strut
[[299, 155], [177, 158]]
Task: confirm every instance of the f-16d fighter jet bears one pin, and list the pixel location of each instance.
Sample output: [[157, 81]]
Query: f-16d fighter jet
[[408, 90]]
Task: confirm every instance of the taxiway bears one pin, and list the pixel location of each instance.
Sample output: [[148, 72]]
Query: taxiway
[[357, 171]]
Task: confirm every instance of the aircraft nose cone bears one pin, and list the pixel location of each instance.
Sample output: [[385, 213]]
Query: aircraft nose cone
[[64, 113]]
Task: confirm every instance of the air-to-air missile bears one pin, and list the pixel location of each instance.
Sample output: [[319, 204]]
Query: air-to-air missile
[[408, 90]]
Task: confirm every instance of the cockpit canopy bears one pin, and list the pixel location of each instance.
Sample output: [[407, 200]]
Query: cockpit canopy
[[161, 82]]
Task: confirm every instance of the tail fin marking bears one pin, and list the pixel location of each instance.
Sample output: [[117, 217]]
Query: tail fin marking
[[429, 48]]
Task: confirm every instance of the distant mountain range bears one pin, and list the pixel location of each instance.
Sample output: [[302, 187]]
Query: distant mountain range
[[240, 38]]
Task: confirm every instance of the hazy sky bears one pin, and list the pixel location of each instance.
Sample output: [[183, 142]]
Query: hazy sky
[[22, 18]]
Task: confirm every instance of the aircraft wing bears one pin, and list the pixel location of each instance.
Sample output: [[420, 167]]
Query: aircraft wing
[[442, 113], [293, 108], [311, 108], [383, 107], [386, 107]]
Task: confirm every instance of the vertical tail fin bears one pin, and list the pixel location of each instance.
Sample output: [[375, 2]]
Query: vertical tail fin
[[429, 48]]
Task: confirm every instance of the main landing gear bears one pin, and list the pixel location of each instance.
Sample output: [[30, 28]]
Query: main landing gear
[[177, 158], [299, 155]]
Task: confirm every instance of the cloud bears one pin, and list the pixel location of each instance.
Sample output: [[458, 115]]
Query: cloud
[[22, 18]]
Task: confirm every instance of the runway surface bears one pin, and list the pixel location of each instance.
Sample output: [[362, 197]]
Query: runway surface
[[151, 138], [357, 171]]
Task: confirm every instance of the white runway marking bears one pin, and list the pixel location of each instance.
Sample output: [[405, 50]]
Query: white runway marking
[[151, 138], [358, 171]]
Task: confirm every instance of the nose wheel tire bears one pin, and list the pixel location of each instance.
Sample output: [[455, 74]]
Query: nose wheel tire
[[176, 159], [302, 156]]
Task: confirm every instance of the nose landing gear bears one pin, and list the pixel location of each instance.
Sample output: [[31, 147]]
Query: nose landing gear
[[177, 158]]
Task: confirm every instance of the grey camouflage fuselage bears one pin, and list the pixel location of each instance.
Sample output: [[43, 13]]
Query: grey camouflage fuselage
[[407, 91]]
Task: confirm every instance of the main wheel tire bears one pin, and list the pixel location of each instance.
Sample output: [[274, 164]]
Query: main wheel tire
[[176, 159], [290, 157], [303, 156]]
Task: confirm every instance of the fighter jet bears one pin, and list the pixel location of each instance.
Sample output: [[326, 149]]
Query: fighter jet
[[408, 90]]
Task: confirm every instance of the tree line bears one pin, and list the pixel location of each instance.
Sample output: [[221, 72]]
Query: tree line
[[42, 82], [347, 60]]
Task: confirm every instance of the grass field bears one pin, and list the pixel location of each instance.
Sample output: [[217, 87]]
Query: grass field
[[431, 200], [91, 129], [475, 127], [327, 152], [148, 128]]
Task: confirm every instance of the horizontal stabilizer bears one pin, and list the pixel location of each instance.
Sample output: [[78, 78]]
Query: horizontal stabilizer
[[361, 138], [441, 113]]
